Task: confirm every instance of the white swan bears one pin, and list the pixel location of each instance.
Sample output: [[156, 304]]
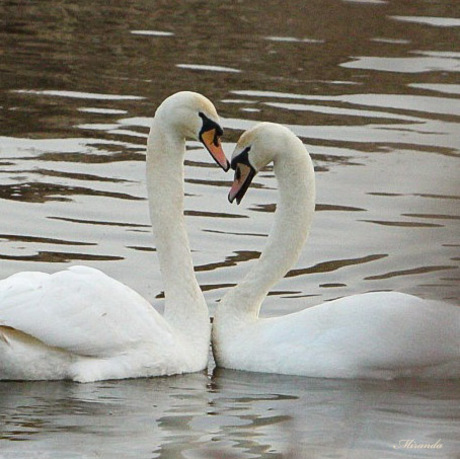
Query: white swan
[[82, 325], [374, 335]]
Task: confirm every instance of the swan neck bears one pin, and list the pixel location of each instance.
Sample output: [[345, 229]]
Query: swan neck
[[292, 222], [165, 183]]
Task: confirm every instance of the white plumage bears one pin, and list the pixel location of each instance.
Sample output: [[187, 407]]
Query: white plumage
[[83, 325], [378, 335]]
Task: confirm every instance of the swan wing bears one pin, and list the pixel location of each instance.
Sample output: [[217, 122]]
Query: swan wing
[[82, 311]]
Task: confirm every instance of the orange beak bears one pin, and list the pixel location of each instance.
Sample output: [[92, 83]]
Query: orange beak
[[243, 178], [211, 141]]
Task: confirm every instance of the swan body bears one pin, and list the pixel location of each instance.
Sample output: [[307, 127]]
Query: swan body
[[381, 335], [82, 325]]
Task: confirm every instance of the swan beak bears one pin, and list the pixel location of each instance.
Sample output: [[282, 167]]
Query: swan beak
[[243, 178], [211, 140]]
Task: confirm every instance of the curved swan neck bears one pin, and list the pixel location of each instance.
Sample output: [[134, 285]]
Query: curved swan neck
[[296, 182], [165, 184]]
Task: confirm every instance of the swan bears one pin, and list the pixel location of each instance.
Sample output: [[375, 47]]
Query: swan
[[379, 335], [82, 325]]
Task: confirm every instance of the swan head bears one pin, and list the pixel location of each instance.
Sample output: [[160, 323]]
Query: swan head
[[194, 117], [256, 148]]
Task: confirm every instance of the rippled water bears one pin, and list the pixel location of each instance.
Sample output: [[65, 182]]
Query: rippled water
[[371, 87], [230, 414]]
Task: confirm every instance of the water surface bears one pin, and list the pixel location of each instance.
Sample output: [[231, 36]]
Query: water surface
[[372, 89]]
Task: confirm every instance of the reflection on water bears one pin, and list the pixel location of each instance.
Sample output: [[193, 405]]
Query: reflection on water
[[370, 86], [228, 414]]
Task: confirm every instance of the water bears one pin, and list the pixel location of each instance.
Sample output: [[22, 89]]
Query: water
[[372, 89], [230, 414]]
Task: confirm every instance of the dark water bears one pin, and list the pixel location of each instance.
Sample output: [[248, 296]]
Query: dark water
[[372, 88]]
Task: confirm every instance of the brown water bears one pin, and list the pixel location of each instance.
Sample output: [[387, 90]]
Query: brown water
[[371, 87]]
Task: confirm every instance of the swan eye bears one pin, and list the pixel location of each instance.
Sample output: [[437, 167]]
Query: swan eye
[[209, 124], [210, 137], [243, 158]]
